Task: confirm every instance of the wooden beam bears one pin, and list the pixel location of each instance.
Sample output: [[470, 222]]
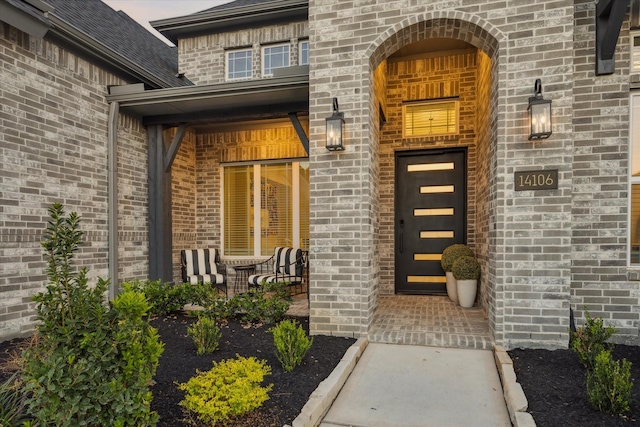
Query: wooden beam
[[609, 17], [160, 229], [304, 139], [175, 146]]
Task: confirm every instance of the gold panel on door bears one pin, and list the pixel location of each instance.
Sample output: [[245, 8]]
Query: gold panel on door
[[433, 189], [436, 234], [433, 212], [430, 167], [426, 279]]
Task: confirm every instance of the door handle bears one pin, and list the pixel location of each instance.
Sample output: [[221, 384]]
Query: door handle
[[401, 236]]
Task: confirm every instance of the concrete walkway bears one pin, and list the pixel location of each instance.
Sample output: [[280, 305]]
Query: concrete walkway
[[412, 386]]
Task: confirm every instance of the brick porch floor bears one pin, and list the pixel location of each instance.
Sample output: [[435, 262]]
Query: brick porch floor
[[429, 320], [421, 320]]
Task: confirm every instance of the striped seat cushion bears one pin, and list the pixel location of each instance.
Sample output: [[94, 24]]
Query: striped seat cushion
[[287, 268], [257, 279], [200, 266]]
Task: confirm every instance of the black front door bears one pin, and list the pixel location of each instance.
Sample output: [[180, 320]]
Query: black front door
[[430, 215]]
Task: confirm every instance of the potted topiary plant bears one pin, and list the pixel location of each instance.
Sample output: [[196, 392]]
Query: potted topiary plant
[[466, 270], [449, 256]]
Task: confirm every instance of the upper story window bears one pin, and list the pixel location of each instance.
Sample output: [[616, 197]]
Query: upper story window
[[303, 53], [635, 52], [430, 118], [239, 64], [274, 56]]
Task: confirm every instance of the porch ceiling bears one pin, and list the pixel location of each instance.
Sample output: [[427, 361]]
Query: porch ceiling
[[223, 102]]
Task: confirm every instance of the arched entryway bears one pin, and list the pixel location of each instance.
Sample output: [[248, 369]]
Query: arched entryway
[[434, 96]]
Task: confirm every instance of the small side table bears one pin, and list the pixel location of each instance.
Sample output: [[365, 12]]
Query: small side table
[[242, 276]]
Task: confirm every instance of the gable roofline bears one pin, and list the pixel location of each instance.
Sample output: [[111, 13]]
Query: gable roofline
[[80, 41], [229, 18]]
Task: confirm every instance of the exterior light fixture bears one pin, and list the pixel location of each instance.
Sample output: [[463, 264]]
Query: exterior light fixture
[[539, 114], [335, 123]]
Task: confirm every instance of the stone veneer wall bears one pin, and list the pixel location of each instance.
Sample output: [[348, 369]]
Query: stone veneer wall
[[418, 79], [529, 241], [53, 145], [600, 279], [202, 59]]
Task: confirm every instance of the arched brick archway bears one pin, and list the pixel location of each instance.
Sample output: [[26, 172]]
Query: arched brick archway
[[482, 191]]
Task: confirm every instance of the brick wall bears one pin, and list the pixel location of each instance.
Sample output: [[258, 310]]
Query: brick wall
[[430, 77], [528, 242], [53, 145], [197, 210], [599, 241], [202, 59]]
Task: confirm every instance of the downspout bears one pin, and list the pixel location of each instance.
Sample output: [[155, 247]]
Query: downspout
[[112, 171]]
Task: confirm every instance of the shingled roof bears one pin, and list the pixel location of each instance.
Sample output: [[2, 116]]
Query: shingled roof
[[234, 16], [115, 41], [234, 4], [119, 33]]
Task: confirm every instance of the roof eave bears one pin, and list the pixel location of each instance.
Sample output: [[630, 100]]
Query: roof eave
[[23, 21], [189, 100], [218, 21], [89, 46]]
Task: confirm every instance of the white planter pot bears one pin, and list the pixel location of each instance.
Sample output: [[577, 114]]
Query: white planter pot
[[452, 287], [467, 290]]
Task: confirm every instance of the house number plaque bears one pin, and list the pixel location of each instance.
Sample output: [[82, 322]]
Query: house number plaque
[[536, 180]]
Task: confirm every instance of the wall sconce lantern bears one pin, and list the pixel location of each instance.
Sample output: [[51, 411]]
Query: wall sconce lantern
[[335, 123], [539, 114]]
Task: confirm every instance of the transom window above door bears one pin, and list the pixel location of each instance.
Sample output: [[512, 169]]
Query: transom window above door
[[430, 118], [274, 56], [239, 64]]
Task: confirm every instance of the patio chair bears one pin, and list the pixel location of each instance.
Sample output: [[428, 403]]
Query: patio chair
[[203, 266], [286, 265]]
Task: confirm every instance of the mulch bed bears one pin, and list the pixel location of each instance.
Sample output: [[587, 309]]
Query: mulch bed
[[179, 362], [291, 390], [554, 383]]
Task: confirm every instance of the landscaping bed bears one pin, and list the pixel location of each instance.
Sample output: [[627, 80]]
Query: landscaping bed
[[554, 383], [180, 361]]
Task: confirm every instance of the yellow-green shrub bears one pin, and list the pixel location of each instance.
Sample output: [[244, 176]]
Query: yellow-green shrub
[[231, 388]]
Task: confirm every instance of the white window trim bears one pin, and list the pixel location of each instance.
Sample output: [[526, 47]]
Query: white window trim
[[431, 102], [270, 46], [300, 43], [632, 35], [226, 64], [295, 188]]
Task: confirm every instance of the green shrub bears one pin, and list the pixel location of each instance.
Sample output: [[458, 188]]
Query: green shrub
[[589, 341], [231, 388], [13, 408], [205, 335], [291, 342], [609, 384], [266, 303], [163, 298], [92, 364], [466, 268], [452, 253]]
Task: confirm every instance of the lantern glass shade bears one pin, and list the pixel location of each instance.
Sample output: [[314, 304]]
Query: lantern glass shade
[[539, 118], [334, 132]]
